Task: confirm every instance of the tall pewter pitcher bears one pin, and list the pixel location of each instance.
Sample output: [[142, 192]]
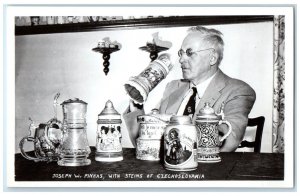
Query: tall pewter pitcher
[[138, 87], [209, 140], [74, 150]]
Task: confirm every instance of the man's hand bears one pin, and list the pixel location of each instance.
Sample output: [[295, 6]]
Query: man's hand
[[134, 107]]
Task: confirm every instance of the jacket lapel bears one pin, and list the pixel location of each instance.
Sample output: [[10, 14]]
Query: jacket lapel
[[176, 97], [213, 91]]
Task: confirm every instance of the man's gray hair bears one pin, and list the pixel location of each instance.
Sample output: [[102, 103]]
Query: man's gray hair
[[212, 37]]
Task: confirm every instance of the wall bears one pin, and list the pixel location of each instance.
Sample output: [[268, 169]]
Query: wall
[[65, 63]]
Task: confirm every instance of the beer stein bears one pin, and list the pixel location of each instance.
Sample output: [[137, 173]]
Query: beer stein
[[35, 20], [151, 129], [180, 144], [139, 87], [74, 148], [108, 141], [209, 140], [46, 138]]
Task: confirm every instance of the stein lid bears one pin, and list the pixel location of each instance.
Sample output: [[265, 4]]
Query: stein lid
[[109, 112], [74, 100], [154, 117], [180, 120], [207, 112]]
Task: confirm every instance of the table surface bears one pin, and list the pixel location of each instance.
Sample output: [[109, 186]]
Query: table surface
[[234, 166]]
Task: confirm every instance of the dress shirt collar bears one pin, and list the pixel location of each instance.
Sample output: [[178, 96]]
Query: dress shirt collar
[[202, 86]]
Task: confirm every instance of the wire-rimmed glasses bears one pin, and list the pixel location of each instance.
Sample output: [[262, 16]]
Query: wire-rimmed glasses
[[189, 52]]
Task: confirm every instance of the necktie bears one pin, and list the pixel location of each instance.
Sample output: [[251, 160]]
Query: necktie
[[191, 104]]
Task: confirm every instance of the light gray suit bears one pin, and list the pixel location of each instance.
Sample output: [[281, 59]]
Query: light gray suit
[[237, 96]]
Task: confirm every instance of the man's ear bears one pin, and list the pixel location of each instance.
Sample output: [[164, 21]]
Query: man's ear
[[213, 58]]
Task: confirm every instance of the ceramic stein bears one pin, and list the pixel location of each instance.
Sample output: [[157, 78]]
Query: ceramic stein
[[209, 140], [108, 140], [35, 20], [46, 138], [180, 144], [139, 87], [151, 129]]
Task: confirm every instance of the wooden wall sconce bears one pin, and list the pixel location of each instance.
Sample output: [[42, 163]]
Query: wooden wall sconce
[[106, 56], [153, 49]]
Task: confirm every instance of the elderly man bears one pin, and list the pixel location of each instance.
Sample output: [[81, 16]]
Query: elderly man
[[203, 82]]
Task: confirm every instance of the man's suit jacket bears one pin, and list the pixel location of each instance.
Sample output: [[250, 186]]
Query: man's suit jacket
[[237, 96]]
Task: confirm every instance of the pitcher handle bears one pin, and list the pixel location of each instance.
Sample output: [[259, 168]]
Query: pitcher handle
[[23, 153], [229, 131], [49, 124]]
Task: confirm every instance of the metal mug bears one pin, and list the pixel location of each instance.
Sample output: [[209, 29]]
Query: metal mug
[[46, 138], [209, 141]]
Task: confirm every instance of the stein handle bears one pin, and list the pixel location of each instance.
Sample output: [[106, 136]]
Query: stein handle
[[229, 131], [23, 153], [52, 123]]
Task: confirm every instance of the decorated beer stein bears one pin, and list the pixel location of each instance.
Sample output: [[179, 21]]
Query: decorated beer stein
[[108, 140], [45, 138], [209, 141], [180, 144], [74, 148], [151, 129], [139, 87]]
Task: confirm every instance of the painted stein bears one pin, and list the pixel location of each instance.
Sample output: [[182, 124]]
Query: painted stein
[[108, 140], [180, 144], [140, 86], [35, 20], [93, 18], [50, 20], [209, 140], [151, 129], [46, 138], [74, 149], [60, 20]]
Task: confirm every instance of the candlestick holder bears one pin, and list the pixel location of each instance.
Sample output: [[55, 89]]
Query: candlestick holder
[[153, 49], [106, 56]]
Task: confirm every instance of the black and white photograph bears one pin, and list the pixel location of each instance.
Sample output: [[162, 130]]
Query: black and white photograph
[[149, 96]]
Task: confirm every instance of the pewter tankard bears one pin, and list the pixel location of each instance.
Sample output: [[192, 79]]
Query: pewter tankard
[[209, 140]]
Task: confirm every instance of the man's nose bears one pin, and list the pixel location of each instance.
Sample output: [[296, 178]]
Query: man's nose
[[182, 58]]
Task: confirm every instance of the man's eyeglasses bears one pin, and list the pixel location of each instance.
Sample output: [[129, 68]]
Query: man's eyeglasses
[[189, 52]]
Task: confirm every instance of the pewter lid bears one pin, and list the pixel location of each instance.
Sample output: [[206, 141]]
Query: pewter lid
[[154, 111], [180, 120], [154, 117], [109, 112], [207, 112], [74, 100]]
